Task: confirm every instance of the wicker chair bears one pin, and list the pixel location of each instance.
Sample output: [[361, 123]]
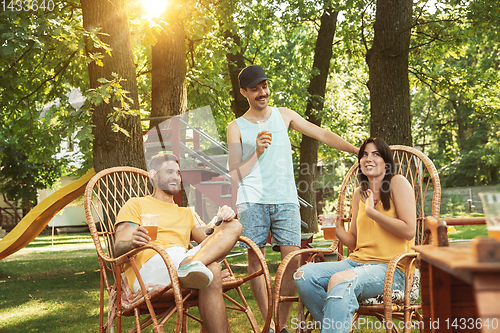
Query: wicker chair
[[422, 175], [105, 194]]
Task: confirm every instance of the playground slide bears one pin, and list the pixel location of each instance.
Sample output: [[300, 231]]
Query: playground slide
[[36, 220]]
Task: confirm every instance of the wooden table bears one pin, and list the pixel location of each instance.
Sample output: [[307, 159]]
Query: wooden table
[[458, 293], [463, 220]]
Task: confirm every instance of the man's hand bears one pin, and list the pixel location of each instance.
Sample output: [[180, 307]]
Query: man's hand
[[128, 237], [140, 237], [263, 141], [226, 213]]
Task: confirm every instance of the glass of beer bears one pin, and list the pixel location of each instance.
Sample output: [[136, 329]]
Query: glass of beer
[[150, 223], [267, 126], [491, 209], [328, 222]]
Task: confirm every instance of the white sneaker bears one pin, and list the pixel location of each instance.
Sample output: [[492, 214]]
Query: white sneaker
[[194, 275]]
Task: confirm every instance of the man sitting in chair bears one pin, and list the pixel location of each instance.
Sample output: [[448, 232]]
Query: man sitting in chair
[[198, 267]]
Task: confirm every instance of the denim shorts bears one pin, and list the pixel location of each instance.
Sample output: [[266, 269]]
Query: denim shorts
[[283, 220]]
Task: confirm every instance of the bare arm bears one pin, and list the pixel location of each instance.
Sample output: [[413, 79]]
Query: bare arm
[[349, 237], [404, 201], [303, 126], [128, 237], [240, 169], [198, 232]]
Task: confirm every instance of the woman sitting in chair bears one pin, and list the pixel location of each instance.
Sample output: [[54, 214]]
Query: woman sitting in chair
[[383, 226]]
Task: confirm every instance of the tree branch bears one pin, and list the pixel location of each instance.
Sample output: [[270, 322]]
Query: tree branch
[[420, 77], [61, 70], [17, 61], [211, 96]]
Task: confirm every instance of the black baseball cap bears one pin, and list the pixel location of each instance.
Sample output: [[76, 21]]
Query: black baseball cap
[[251, 76]]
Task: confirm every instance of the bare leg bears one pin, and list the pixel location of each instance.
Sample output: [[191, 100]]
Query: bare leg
[[211, 304], [258, 284], [215, 247], [288, 284], [340, 277]]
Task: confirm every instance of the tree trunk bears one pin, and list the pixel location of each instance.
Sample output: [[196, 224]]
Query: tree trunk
[[235, 63], [168, 75], [113, 148], [316, 89], [388, 68]]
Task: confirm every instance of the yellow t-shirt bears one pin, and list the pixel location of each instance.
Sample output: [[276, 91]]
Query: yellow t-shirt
[[374, 243], [174, 226]]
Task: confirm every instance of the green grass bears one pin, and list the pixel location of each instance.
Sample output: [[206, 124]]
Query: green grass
[[62, 241], [45, 289], [467, 232], [49, 292]]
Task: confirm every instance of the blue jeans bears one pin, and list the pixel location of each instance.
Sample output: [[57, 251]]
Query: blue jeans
[[335, 309]]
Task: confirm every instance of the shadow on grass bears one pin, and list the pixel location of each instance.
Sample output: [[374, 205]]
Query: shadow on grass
[[49, 295]]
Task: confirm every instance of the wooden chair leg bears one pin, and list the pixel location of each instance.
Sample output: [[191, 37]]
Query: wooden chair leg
[[407, 318], [184, 323], [159, 329], [101, 305], [301, 316], [137, 320]]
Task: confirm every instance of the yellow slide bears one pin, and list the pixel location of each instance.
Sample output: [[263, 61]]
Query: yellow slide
[[37, 218]]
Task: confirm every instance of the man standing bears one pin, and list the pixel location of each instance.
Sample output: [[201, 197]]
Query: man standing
[[261, 161], [197, 268]]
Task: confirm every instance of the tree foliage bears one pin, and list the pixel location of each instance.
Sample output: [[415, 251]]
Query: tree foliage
[[456, 91], [41, 60], [21, 176]]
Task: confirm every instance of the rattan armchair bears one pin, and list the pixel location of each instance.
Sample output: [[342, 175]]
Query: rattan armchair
[[423, 176], [105, 194]]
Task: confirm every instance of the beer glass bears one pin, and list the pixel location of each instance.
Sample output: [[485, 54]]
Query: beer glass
[[150, 223], [491, 209], [329, 226], [266, 125]]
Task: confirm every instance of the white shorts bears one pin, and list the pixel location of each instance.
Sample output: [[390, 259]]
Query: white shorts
[[154, 271]]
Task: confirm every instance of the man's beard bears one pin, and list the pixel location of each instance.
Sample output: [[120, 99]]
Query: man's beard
[[172, 192], [168, 189]]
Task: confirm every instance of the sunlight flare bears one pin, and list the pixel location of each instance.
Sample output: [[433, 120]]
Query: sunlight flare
[[155, 7]]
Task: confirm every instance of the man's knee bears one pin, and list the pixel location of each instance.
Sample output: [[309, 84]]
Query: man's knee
[[237, 227], [234, 227]]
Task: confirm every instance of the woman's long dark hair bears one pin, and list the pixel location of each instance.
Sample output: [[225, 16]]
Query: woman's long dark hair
[[390, 169]]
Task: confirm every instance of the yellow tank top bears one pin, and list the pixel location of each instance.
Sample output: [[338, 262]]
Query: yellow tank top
[[374, 243], [174, 226]]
